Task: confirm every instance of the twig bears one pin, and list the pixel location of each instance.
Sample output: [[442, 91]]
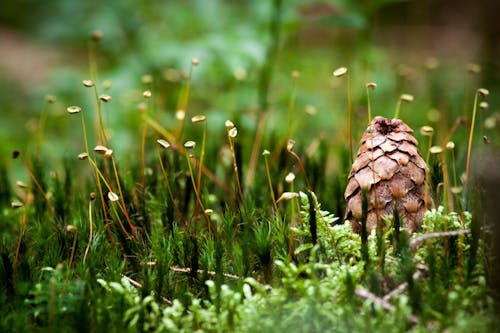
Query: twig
[[132, 281], [415, 242], [139, 285], [180, 270], [200, 271], [460, 120], [422, 269], [363, 293]]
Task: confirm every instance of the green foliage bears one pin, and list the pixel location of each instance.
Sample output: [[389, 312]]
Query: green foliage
[[183, 248], [314, 294]]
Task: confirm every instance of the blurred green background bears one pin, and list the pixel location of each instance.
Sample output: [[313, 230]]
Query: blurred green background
[[247, 52], [256, 57]]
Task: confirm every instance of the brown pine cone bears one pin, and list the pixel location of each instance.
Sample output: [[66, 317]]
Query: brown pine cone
[[390, 167]]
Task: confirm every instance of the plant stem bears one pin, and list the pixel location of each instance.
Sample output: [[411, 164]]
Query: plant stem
[[99, 175], [294, 203], [91, 232], [252, 165], [22, 229], [39, 187], [349, 111], [264, 85], [237, 177], [143, 153], [169, 189], [73, 250], [271, 191], [369, 104], [291, 107], [183, 103], [202, 155], [454, 168], [113, 210], [102, 133], [426, 185], [398, 107], [447, 195], [122, 199], [471, 136], [85, 139], [94, 77], [271, 54], [41, 126], [301, 165], [198, 197]]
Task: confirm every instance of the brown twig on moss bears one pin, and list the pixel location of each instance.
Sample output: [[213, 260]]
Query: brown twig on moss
[[415, 242], [363, 293]]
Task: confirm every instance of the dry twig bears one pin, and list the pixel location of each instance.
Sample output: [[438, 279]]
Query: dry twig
[[139, 285], [422, 269], [200, 271], [363, 293], [415, 242]]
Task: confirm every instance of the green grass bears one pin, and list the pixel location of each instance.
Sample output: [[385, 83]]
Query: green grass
[[160, 236], [185, 248]]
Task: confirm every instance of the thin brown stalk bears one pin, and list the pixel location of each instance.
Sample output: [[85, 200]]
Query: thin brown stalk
[[237, 177], [471, 136], [91, 232], [198, 197], [210, 175], [427, 174], [73, 251], [122, 199], [143, 154], [162, 131], [302, 169], [291, 104], [113, 210], [169, 189], [94, 77], [453, 129], [271, 191], [294, 203], [349, 110], [448, 196], [108, 186], [252, 165], [183, 102], [41, 126], [22, 229], [93, 168], [39, 187]]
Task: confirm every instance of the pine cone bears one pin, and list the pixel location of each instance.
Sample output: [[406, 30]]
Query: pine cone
[[390, 167]]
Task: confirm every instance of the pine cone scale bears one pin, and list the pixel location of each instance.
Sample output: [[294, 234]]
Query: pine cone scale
[[389, 146], [366, 178], [412, 171], [385, 167], [408, 147], [399, 157]]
